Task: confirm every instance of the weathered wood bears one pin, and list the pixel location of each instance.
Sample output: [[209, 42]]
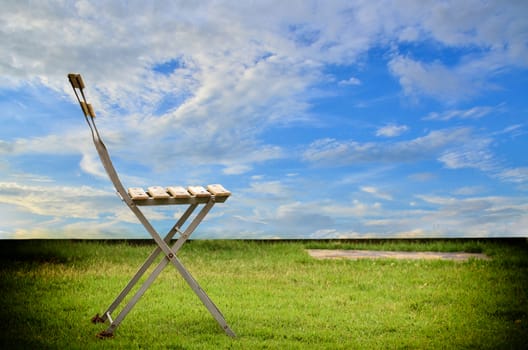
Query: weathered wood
[[218, 190], [158, 192], [178, 192], [137, 193], [176, 195], [198, 191]]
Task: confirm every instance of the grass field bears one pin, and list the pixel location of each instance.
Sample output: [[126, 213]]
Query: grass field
[[273, 295]]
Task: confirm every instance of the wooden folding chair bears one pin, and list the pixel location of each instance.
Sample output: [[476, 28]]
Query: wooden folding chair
[[193, 197]]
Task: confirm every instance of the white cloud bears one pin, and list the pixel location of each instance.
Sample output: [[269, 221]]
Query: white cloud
[[376, 192], [473, 154], [515, 175], [391, 130], [273, 188], [91, 164], [442, 216], [515, 130], [76, 230], [495, 24], [469, 190], [454, 148], [239, 70], [334, 152], [435, 79], [299, 33], [57, 201], [236, 169], [224, 88], [492, 34], [472, 113], [71, 142], [309, 217], [350, 81], [5, 147], [451, 216], [353, 209], [422, 177]]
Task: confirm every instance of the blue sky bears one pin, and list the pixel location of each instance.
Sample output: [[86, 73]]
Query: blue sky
[[326, 119]]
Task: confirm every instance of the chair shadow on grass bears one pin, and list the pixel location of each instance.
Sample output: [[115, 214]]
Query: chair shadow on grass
[[13, 252], [23, 318]]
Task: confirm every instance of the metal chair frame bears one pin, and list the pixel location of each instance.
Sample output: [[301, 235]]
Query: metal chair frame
[[196, 196]]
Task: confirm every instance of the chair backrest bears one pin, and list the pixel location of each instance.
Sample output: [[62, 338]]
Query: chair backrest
[[78, 86]]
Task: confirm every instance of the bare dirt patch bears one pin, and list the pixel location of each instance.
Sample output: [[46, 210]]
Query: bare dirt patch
[[373, 254]]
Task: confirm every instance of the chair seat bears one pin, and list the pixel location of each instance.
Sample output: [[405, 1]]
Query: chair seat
[[158, 195]]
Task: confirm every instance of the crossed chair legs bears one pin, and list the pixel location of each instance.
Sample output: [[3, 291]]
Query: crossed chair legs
[[170, 257]]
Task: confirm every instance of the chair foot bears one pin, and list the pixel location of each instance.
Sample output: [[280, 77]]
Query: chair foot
[[105, 335], [229, 332], [98, 319]]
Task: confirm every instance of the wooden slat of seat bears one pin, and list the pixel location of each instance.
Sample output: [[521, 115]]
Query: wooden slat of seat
[[158, 192], [218, 190], [137, 193], [198, 191], [178, 192]]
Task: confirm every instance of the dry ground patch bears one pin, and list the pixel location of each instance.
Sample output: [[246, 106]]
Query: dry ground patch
[[377, 254]]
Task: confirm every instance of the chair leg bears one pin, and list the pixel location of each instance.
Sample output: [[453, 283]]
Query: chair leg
[[170, 257], [204, 298], [144, 267], [213, 309]]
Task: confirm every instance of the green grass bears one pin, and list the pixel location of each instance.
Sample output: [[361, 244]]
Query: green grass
[[273, 295]]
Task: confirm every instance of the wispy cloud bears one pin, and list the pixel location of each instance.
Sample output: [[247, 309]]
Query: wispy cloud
[[469, 191], [471, 113], [57, 201], [376, 192], [435, 79], [422, 177], [248, 93], [473, 154], [451, 216], [350, 81], [391, 130], [430, 146], [516, 175]]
